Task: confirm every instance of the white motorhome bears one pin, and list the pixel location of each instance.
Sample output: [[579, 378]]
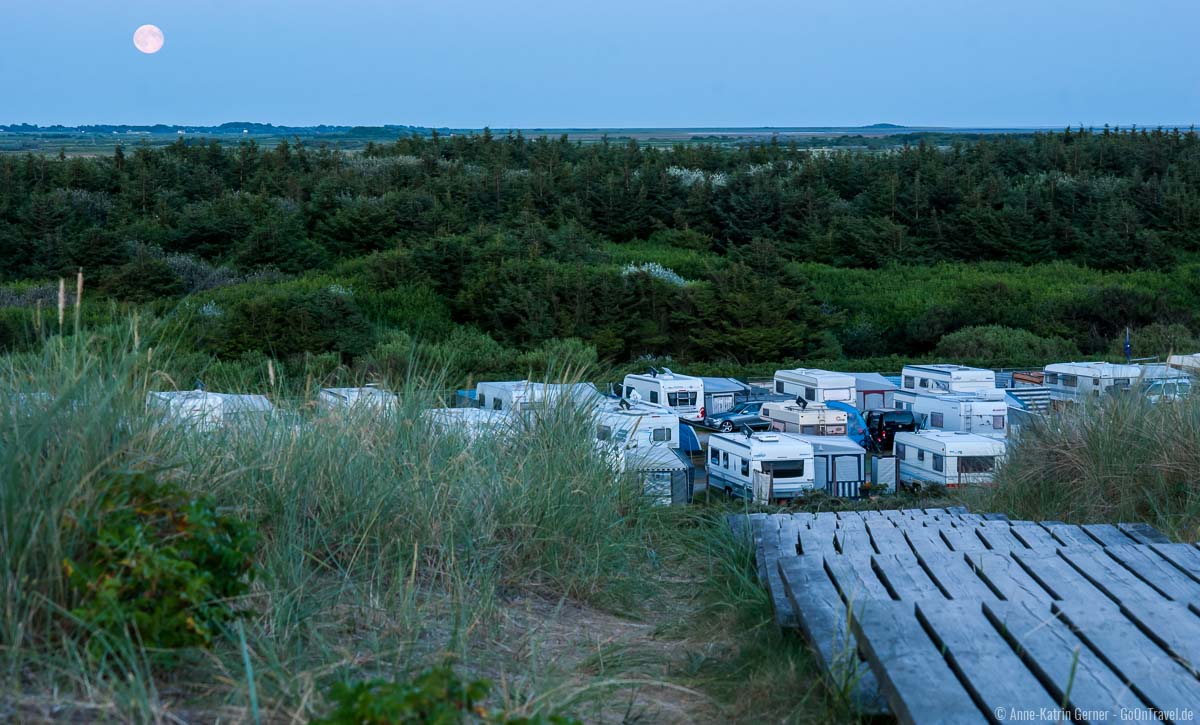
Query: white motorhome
[[947, 459], [816, 386], [365, 398], [760, 466], [1080, 380], [520, 395], [630, 425], [984, 414], [941, 378], [812, 419], [839, 465], [205, 411], [684, 394]]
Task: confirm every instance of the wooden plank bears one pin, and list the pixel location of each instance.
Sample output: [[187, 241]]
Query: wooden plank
[[871, 514], [855, 579], [1144, 533], [825, 624], [1034, 536], [996, 517], [1061, 579], [770, 554], [1068, 534], [1067, 667], [913, 675], [844, 516], [957, 579], [1107, 534], [817, 542], [886, 538], [999, 537], [1172, 626], [904, 578], [1004, 575], [984, 661], [1184, 556], [961, 538], [766, 533], [925, 540], [1154, 676], [893, 514], [853, 541], [1107, 575], [1156, 571], [789, 536], [970, 520]]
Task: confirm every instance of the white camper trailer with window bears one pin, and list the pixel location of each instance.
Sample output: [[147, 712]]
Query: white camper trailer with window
[[629, 425], [521, 395], [941, 378], [760, 466], [984, 414], [811, 419], [205, 411], [1081, 380], [816, 386], [947, 459], [684, 394], [471, 423]]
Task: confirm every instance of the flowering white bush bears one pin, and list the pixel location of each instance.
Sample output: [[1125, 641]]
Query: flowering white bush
[[657, 271]]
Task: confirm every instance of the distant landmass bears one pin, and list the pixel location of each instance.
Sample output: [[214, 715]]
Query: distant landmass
[[229, 128]]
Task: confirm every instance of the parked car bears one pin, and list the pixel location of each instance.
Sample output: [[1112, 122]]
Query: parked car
[[883, 425], [741, 414]]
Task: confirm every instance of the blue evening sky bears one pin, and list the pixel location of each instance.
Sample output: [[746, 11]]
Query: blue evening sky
[[545, 63]]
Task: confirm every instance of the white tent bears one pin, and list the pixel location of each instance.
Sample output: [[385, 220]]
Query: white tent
[[207, 411]]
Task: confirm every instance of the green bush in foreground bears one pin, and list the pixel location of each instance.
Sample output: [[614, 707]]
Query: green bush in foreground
[[437, 696], [159, 563]]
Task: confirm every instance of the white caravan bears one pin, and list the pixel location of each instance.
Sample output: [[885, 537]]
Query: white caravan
[[367, 398], [816, 386], [813, 419], [760, 466], [683, 394], [207, 411], [941, 378], [471, 423], [631, 425], [1080, 380], [984, 414], [947, 459], [521, 395], [1187, 363], [839, 465]]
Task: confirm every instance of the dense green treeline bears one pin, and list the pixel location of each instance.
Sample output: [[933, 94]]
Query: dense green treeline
[[490, 254]]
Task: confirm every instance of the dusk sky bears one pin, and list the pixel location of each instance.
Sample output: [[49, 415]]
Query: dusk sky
[[620, 63]]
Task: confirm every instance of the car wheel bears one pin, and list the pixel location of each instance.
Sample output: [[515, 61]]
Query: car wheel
[[727, 426]]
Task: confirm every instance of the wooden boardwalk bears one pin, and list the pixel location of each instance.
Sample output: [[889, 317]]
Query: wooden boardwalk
[[940, 615]]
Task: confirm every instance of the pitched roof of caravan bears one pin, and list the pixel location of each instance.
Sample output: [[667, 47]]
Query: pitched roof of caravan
[[1095, 369], [953, 438], [872, 382]]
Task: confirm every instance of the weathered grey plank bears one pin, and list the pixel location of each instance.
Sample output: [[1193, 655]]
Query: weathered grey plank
[[893, 514], [904, 578], [951, 510], [1156, 571], [817, 542], [1150, 671], [766, 533], [855, 579], [825, 624], [1034, 536], [871, 514], [1107, 575], [1183, 556], [968, 520], [1065, 665], [1107, 534], [853, 541], [918, 684], [1000, 538], [789, 536], [1172, 626], [844, 516], [961, 538], [995, 517], [1068, 534], [955, 577], [770, 553], [1144, 533], [886, 538], [1061, 579], [984, 661], [1004, 575], [925, 540]]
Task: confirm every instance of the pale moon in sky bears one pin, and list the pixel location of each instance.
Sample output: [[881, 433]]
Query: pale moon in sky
[[148, 39]]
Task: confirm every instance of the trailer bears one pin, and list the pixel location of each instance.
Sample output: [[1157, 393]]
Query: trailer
[[630, 425], [522, 395], [205, 411], [946, 459], [666, 477], [810, 419], [721, 394], [1187, 363], [873, 391], [473, 424], [815, 386], [941, 378], [984, 414], [760, 466], [1071, 382], [369, 397], [839, 465], [683, 394]]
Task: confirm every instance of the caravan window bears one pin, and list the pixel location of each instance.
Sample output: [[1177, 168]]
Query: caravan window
[[714, 455], [604, 433], [810, 394], [908, 381], [998, 422], [724, 459], [936, 420], [482, 401], [745, 467], [920, 454], [976, 464], [1123, 382], [1096, 381], [939, 463], [924, 382], [660, 434], [1071, 381], [1051, 379], [674, 399], [901, 451], [787, 469], [653, 396], [497, 403], [842, 394], [778, 386]]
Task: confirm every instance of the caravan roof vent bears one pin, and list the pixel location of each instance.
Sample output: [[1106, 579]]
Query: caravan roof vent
[[767, 437]]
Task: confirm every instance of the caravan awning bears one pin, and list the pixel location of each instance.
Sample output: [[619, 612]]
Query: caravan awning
[[688, 441]]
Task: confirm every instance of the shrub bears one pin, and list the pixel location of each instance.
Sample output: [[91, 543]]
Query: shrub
[[437, 695], [159, 563], [998, 345]]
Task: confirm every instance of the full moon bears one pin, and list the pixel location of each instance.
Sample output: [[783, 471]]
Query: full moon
[[148, 39]]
